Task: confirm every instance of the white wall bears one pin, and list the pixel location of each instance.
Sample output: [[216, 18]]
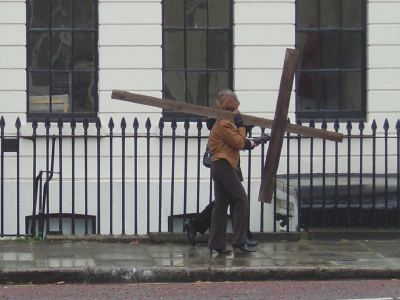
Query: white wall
[[130, 55], [383, 60], [130, 59], [12, 59]]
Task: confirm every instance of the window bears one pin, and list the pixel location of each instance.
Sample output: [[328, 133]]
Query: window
[[62, 58], [197, 50], [331, 75]]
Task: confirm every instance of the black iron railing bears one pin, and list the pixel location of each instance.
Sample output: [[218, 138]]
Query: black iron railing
[[140, 178]]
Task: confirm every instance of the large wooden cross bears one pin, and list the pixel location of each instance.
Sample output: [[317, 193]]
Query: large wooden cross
[[279, 125]]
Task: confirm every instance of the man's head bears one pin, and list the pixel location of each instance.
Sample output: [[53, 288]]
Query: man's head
[[227, 100]]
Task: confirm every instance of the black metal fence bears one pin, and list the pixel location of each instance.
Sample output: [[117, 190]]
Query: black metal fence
[[87, 178]]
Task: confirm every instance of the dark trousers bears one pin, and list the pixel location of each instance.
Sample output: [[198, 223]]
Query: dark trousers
[[202, 221], [228, 188]]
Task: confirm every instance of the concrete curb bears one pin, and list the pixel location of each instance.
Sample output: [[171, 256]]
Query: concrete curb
[[354, 234], [184, 274], [172, 237]]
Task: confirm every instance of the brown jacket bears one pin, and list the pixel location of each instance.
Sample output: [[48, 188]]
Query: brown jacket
[[226, 140]]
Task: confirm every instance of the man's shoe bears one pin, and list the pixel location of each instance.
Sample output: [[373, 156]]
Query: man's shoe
[[220, 251], [251, 243], [190, 232], [243, 248]]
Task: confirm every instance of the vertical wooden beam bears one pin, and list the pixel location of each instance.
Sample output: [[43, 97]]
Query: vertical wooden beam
[[278, 127]]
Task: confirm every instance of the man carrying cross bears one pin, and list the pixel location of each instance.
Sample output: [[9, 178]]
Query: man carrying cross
[[201, 222], [279, 125], [226, 139]]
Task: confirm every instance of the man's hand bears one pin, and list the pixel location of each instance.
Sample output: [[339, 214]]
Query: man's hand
[[249, 144], [237, 119], [264, 137], [249, 128]]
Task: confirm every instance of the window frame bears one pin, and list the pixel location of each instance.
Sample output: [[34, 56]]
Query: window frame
[[68, 116], [337, 114], [177, 116]]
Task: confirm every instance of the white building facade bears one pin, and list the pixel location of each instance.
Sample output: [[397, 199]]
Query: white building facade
[[61, 59]]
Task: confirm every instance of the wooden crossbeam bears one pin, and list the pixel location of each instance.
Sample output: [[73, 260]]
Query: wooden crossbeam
[[209, 112]]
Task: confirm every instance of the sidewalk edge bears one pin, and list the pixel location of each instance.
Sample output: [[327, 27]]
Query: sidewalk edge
[[184, 274]]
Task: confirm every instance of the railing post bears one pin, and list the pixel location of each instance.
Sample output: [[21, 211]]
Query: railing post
[[123, 128], [18, 127], [73, 127], [336, 221], [85, 141], [199, 128], [249, 172], [261, 171], [160, 171], [98, 129], [373, 127], [386, 129], [299, 200], [34, 183], [185, 177], [111, 127], [360, 189], [43, 208], [171, 224], [349, 127], [47, 187], [324, 127], [60, 164], [312, 124], [148, 127], [135, 146]]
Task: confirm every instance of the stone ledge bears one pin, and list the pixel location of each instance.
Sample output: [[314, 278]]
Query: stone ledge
[[168, 237], [188, 274]]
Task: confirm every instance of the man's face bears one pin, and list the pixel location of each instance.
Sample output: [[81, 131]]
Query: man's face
[[225, 99]]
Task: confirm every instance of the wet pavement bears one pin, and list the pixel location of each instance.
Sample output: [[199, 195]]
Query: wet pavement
[[89, 261]]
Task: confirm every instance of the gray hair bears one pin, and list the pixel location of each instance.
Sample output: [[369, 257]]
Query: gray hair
[[224, 93]]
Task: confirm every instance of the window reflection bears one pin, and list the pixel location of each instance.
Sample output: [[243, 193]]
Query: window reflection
[[61, 13], [84, 54], [84, 14], [196, 49], [197, 55], [173, 50], [218, 49], [216, 82], [197, 88], [330, 36], [174, 14], [62, 56], [196, 13], [174, 83], [39, 13], [83, 92], [61, 50], [40, 50], [39, 90]]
